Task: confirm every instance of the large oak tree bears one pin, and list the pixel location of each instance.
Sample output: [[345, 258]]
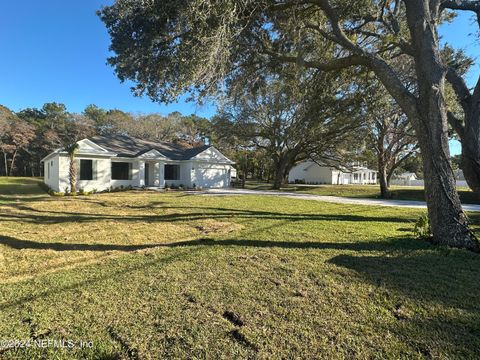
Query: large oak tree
[[292, 120], [168, 47]]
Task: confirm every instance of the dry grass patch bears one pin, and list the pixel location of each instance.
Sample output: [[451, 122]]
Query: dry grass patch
[[61, 233]]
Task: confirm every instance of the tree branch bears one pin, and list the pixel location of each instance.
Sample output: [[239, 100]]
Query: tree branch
[[467, 5], [337, 64], [456, 124], [460, 88]]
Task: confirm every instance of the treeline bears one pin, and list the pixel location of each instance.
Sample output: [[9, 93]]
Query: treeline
[[29, 135], [260, 147]]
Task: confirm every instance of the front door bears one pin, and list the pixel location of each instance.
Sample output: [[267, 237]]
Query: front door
[[147, 173]]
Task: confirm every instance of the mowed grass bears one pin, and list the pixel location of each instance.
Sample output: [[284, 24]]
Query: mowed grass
[[364, 191], [20, 189], [170, 275]]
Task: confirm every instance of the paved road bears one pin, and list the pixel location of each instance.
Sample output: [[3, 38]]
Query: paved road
[[332, 199]]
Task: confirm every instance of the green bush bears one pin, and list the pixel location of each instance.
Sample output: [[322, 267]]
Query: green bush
[[83, 192], [422, 228], [52, 192]]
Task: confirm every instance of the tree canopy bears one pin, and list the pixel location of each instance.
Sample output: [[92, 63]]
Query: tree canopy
[[171, 47]]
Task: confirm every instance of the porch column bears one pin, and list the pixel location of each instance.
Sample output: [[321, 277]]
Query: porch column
[[141, 174], [156, 174], [162, 174]]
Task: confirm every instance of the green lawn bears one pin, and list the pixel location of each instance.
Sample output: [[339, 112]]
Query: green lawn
[[20, 189], [169, 275], [364, 191]]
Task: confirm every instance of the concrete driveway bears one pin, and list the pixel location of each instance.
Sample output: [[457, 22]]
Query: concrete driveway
[[331, 199]]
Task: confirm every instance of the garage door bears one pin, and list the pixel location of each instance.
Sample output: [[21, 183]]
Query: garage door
[[212, 178]]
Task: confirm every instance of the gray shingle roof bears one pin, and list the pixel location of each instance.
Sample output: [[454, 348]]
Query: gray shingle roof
[[126, 146]]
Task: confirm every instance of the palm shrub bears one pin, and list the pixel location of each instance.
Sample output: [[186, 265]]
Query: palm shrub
[[422, 228], [72, 150]]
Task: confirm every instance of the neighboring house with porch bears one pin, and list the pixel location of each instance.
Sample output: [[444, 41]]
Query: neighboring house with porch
[[310, 172], [105, 162]]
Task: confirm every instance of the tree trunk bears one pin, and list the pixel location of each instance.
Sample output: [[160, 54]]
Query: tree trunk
[[448, 222], [6, 163], [471, 148], [73, 175], [280, 173], [12, 164], [389, 177], [382, 179]]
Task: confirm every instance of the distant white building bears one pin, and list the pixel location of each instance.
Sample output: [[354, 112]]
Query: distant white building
[[459, 175], [406, 179], [407, 176], [309, 172]]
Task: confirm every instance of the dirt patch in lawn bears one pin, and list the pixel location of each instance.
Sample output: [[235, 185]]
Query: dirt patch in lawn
[[217, 227]]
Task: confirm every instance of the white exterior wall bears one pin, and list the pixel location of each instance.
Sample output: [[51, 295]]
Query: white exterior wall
[[63, 175], [318, 174], [297, 172], [59, 179], [50, 173], [312, 173]]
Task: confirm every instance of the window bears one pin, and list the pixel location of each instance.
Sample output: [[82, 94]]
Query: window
[[121, 171], [86, 170], [48, 170], [172, 172]]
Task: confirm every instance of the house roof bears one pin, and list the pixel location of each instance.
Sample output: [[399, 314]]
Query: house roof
[[127, 146], [335, 166]]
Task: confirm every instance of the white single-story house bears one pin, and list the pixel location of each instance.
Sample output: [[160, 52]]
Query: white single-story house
[[310, 172], [105, 162]]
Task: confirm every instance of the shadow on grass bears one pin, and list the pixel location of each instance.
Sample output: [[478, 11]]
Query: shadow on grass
[[21, 198], [412, 267], [444, 287], [20, 244], [55, 217], [107, 275], [439, 275], [402, 244]]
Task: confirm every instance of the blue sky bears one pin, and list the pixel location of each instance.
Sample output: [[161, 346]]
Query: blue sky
[[56, 50], [462, 34]]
